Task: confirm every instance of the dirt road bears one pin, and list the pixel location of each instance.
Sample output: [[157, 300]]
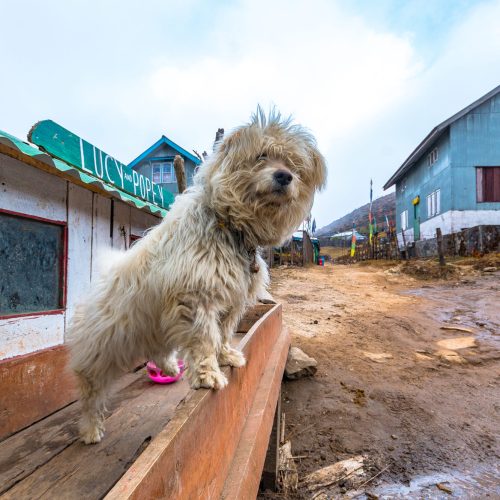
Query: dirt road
[[420, 402]]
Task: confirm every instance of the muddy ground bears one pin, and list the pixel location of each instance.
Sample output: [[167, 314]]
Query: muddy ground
[[420, 403]]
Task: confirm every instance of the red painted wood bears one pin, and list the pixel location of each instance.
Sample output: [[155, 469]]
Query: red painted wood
[[34, 217], [39, 313], [192, 456], [246, 469], [33, 386]]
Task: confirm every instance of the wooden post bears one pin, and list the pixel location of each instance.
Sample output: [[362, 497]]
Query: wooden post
[[404, 244], [439, 238], [270, 471], [180, 173], [219, 137]]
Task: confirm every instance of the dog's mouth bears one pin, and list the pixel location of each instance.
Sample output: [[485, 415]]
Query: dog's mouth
[[279, 190]]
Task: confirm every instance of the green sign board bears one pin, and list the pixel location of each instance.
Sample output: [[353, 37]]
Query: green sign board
[[66, 146]]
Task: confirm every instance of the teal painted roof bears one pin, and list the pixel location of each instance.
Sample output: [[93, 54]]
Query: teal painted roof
[[70, 172], [165, 140], [433, 136]]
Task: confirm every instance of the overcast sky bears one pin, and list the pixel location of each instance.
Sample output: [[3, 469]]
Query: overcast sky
[[370, 78]]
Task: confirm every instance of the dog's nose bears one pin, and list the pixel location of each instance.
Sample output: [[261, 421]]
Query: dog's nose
[[283, 177]]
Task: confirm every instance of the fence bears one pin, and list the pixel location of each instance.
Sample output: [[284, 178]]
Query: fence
[[472, 241], [297, 252]]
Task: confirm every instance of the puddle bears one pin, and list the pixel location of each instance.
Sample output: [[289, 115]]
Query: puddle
[[472, 306], [478, 483]]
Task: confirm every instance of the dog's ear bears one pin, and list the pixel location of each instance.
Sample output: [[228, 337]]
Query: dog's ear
[[241, 144], [318, 168]]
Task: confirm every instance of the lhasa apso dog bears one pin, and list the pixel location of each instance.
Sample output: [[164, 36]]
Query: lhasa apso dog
[[185, 285]]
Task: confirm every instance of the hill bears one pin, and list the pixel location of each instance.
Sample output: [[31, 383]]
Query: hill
[[385, 205]]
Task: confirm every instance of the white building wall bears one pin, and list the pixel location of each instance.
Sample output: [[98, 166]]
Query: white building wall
[[27, 190], [452, 221]]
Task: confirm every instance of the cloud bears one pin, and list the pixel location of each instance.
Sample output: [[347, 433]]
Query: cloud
[[354, 72], [313, 60]]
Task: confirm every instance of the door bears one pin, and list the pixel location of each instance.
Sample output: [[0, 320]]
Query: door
[[416, 219]]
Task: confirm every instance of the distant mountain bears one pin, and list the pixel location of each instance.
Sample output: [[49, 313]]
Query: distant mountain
[[386, 205]]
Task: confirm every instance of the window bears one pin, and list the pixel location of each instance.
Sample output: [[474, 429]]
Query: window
[[32, 263], [404, 220], [434, 203], [432, 157], [488, 184], [163, 172]]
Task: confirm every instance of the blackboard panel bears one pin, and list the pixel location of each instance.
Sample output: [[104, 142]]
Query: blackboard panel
[[31, 265]]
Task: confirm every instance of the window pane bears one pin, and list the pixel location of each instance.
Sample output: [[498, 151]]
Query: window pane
[[31, 263], [479, 185], [438, 201], [157, 175], [167, 173]]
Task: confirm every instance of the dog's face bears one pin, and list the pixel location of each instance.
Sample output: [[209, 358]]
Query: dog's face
[[264, 176]]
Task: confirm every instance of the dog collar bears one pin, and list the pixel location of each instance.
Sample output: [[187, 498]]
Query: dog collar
[[252, 252]]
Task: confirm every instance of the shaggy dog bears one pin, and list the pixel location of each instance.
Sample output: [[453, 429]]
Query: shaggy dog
[[185, 285]]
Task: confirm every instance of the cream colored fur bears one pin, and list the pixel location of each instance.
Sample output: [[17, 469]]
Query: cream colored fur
[[185, 285]]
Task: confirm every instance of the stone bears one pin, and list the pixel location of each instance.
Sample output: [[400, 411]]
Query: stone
[[299, 364], [490, 270]]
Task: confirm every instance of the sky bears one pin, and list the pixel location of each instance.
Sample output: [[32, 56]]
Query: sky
[[369, 78]]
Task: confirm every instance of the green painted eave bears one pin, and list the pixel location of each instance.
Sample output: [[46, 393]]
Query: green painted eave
[[70, 172]]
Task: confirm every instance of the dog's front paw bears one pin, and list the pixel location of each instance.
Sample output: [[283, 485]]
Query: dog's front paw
[[209, 379], [169, 367], [231, 357], [91, 435], [267, 301]]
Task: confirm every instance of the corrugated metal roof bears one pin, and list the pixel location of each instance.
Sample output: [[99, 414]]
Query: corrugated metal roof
[[433, 136], [72, 173]]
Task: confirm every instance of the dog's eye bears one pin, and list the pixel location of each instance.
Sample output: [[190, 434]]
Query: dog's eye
[[262, 158]]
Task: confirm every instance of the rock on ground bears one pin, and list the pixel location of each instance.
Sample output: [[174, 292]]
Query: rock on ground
[[299, 364]]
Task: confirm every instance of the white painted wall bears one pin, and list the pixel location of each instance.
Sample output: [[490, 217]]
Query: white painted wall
[[27, 190], [453, 221]]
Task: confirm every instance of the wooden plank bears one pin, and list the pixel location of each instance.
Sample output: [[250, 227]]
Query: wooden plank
[[29, 191], [140, 221], [271, 463], [121, 225], [81, 471], [27, 334], [67, 146], [246, 469], [101, 236], [29, 449], [207, 421], [41, 164], [251, 316], [33, 386], [79, 245]]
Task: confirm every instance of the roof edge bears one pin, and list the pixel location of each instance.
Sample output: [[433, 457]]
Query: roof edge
[[435, 134], [164, 140]]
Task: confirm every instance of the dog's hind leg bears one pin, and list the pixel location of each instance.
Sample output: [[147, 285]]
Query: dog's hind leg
[[92, 397]]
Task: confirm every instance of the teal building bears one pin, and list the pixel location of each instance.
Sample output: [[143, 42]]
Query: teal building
[[157, 163], [451, 180]]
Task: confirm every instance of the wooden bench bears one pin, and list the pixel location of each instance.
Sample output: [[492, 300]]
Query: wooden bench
[[161, 441]]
